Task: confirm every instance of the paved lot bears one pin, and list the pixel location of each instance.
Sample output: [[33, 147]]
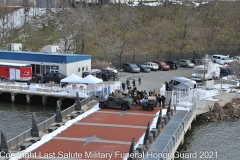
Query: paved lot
[[154, 79]]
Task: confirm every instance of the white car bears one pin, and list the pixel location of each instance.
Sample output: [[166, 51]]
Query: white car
[[153, 66]]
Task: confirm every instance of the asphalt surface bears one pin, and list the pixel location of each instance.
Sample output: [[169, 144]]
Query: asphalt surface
[[154, 79]]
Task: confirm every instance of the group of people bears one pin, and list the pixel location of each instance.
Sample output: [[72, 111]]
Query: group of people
[[139, 95], [133, 83], [160, 98]]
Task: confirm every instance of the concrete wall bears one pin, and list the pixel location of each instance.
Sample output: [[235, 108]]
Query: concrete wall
[[77, 67]]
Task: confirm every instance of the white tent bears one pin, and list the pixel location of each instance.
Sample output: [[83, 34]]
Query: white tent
[[72, 79], [91, 80]]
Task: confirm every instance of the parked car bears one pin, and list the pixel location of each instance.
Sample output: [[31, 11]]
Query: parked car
[[144, 68], [173, 64], [97, 73], [224, 71], [110, 72], [186, 63], [130, 67], [153, 66], [55, 77], [162, 65], [221, 59]]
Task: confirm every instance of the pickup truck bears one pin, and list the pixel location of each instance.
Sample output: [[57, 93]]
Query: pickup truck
[[55, 77]]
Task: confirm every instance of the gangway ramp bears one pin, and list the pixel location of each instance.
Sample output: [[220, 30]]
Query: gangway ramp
[[172, 135]]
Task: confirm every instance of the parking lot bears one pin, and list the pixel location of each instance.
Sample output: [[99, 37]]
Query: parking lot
[[154, 79]]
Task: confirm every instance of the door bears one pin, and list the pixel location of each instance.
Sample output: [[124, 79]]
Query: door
[[18, 77], [111, 102], [12, 73]]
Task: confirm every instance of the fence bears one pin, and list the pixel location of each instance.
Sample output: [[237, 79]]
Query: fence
[[96, 89], [204, 94], [114, 58], [16, 141]]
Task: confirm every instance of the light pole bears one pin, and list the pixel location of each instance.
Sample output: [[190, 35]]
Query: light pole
[[41, 73]]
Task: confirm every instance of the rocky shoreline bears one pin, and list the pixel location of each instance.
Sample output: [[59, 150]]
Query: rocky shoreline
[[230, 110]]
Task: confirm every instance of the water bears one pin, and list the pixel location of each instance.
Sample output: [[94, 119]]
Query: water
[[15, 118], [213, 140]]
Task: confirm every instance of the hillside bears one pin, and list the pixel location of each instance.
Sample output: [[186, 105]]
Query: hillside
[[117, 32]]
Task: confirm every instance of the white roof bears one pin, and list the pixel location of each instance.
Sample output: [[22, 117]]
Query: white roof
[[14, 64], [72, 79], [90, 79]]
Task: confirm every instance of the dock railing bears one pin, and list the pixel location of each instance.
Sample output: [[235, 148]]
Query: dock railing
[[16, 141], [178, 132]]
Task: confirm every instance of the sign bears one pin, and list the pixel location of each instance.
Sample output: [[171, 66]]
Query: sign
[[55, 67]]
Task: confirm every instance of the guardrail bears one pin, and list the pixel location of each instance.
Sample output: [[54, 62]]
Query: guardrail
[[210, 93], [16, 141], [178, 132]]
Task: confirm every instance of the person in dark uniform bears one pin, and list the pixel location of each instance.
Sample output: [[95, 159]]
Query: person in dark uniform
[[133, 82], [128, 82], [167, 85], [150, 93], [123, 86], [139, 81], [163, 100], [28, 83], [114, 77], [159, 99]]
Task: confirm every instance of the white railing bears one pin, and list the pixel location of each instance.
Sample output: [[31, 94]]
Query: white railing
[[204, 94], [65, 91]]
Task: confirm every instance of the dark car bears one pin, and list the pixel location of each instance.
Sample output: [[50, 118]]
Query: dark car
[[55, 77], [130, 67], [144, 68], [109, 72], [224, 71], [97, 73], [173, 64], [162, 65], [94, 72]]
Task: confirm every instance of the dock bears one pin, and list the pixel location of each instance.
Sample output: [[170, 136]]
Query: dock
[[42, 90], [112, 132]]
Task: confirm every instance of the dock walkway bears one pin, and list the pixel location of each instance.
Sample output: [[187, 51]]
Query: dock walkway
[[106, 134]]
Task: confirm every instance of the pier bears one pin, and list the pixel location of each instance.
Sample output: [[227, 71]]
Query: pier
[[120, 129], [40, 90]]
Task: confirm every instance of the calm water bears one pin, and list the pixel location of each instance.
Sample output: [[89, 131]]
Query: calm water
[[16, 118], [215, 140]]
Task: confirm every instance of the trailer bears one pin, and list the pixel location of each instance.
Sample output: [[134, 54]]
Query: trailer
[[15, 71], [206, 70]]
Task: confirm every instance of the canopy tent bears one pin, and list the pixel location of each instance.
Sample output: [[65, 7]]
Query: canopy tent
[[90, 80], [71, 79]]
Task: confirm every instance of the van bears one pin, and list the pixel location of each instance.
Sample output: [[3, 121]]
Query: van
[[182, 83], [186, 63], [221, 59], [152, 65], [173, 64]]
